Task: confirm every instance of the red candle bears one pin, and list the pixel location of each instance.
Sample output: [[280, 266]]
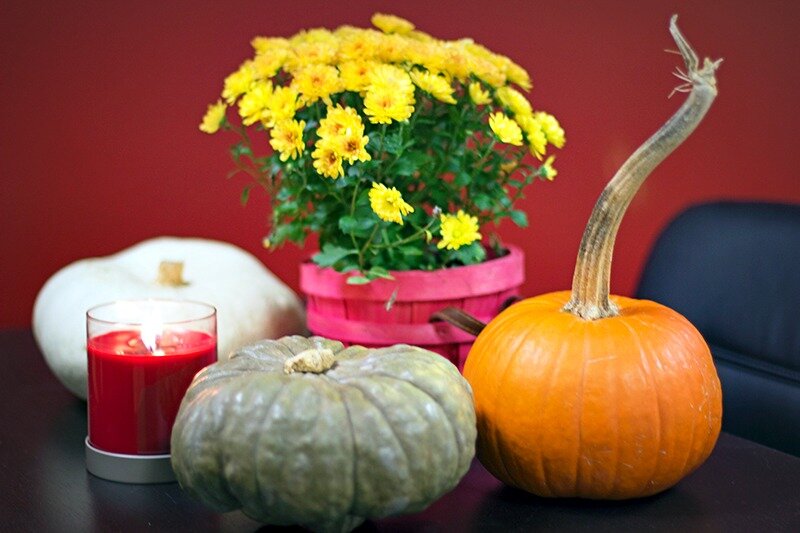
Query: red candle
[[135, 391], [142, 356]]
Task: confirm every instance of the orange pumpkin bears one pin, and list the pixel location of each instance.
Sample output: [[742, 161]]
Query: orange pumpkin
[[585, 395]]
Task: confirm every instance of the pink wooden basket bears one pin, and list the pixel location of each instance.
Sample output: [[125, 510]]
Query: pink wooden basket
[[357, 314]]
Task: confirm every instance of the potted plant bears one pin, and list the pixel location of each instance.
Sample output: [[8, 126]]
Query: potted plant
[[398, 150]]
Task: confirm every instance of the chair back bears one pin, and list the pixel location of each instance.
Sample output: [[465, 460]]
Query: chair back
[[733, 269]]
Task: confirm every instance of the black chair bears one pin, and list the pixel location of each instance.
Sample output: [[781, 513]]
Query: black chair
[[733, 269]]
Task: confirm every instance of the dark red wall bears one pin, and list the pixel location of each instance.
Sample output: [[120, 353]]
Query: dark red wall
[[101, 100]]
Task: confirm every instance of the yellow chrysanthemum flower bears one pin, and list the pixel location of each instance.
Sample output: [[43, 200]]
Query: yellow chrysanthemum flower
[[392, 48], [268, 64], [343, 132], [338, 120], [487, 72], [514, 100], [389, 96], [391, 23], [351, 146], [392, 77], [458, 230], [506, 129], [436, 86], [451, 58], [547, 168], [428, 54], [482, 66], [213, 117], [254, 105], [355, 75], [314, 35], [263, 45], [311, 52], [477, 50], [357, 45], [537, 140], [315, 82], [281, 106], [383, 105], [508, 167], [271, 52], [517, 74], [346, 31], [287, 138], [388, 203], [326, 161], [238, 82], [503, 63], [419, 36], [478, 95], [552, 129]]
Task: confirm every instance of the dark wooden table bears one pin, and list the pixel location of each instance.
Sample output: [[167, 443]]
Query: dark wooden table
[[44, 485]]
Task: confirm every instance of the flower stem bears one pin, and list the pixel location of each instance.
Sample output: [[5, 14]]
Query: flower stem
[[591, 281], [365, 247], [253, 169], [380, 151], [482, 158], [352, 213], [414, 236]]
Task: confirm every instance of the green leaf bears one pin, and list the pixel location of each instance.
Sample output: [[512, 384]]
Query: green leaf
[[405, 166], [483, 202], [463, 179], [286, 208], [331, 254], [392, 143], [379, 272], [519, 218], [360, 227], [238, 150], [297, 232], [410, 250], [283, 194], [470, 254], [357, 280], [245, 195]]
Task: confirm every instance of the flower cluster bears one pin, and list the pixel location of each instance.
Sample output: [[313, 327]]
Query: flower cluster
[[391, 145]]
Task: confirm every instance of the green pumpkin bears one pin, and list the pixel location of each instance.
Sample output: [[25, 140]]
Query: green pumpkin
[[303, 431]]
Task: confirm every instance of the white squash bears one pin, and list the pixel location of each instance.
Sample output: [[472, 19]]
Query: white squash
[[252, 303]]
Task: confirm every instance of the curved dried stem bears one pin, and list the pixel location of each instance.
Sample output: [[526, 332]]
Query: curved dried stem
[[591, 281]]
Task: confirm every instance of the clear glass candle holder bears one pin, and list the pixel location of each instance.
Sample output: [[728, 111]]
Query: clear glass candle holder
[[142, 356]]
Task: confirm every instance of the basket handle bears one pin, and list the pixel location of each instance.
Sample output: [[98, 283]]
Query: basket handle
[[460, 319], [463, 320]]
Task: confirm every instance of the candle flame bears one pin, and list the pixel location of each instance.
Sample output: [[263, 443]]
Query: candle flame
[[150, 332]]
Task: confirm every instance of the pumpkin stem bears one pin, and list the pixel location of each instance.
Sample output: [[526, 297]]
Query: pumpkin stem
[[170, 273], [591, 282], [315, 360]]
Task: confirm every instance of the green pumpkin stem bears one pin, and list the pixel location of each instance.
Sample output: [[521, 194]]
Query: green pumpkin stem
[[591, 282], [314, 361]]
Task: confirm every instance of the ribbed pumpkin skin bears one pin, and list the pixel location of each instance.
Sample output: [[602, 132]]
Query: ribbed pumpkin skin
[[383, 432], [615, 408]]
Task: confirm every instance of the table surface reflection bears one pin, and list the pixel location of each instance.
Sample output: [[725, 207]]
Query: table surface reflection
[[45, 487]]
